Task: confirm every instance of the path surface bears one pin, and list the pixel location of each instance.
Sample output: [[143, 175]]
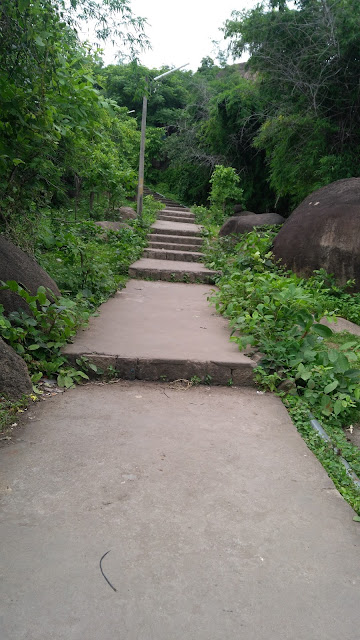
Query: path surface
[[174, 252], [155, 329], [162, 330], [221, 523]]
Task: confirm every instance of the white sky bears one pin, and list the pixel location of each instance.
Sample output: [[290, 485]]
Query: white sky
[[181, 32]]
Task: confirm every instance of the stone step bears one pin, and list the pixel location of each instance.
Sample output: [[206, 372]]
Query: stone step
[[173, 239], [172, 271], [162, 331], [170, 254], [169, 207], [176, 228], [177, 211], [173, 245], [175, 218]]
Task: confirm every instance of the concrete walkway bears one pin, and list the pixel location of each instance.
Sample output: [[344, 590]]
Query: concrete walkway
[[221, 524], [163, 331], [174, 252]]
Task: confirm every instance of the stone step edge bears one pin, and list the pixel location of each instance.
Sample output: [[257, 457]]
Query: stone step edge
[[171, 254], [174, 238], [176, 214], [174, 252], [176, 207], [178, 267], [169, 370], [176, 219], [174, 246], [175, 232], [174, 275]]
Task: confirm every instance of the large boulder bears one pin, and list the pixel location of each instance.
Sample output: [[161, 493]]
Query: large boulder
[[15, 264], [238, 208], [126, 213], [14, 376], [323, 232], [247, 222], [109, 225], [244, 213]]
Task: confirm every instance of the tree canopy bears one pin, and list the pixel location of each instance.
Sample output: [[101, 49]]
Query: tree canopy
[[287, 121], [58, 129]]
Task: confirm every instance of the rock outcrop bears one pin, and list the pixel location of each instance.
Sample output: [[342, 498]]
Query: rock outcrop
[[15, 264], [109, 225], [238, 208], [246, 221], [323, 233], [14, 376], [126, 213]]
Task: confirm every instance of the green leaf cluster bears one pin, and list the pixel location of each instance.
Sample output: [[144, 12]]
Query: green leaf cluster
[[89, 265], [305, 61], [39, 334], [278, 314], [60, 137]]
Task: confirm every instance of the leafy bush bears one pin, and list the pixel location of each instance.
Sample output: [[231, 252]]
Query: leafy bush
[[225, 187], [276, 313], [87, 261], [38, 336], [225, 191], [88, 265]]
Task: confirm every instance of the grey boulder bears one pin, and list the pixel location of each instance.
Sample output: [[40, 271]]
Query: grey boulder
[[14, 376], [17, 265], [240, 224], [323, 233]]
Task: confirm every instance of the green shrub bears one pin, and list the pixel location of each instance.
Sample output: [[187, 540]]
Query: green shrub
[[276, 313], [87, 261], [39, 335]]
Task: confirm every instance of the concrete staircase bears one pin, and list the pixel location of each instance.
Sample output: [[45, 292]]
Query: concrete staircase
[[174, 251], [165, 331]]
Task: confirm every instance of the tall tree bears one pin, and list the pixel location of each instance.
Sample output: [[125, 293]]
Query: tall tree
[[50, 104], [307, 60]]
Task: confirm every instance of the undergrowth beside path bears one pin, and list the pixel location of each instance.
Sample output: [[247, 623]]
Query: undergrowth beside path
[[277, 314], [89, 265]]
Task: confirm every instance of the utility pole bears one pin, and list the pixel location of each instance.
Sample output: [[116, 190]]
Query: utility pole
[[140, 194]]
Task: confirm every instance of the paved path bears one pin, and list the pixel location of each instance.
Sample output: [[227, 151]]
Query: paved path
[[221, 524], [161, 330], [152, 330], [174, 251]]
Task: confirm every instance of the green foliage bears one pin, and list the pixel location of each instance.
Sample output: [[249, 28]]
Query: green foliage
[[39, 335], [225, 191], [209, 218], [127, 84], [225, 188], [59, 134], [276, 313], [89, 265], [217, 126], [88, 262], [306, 61], [296, 148]]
